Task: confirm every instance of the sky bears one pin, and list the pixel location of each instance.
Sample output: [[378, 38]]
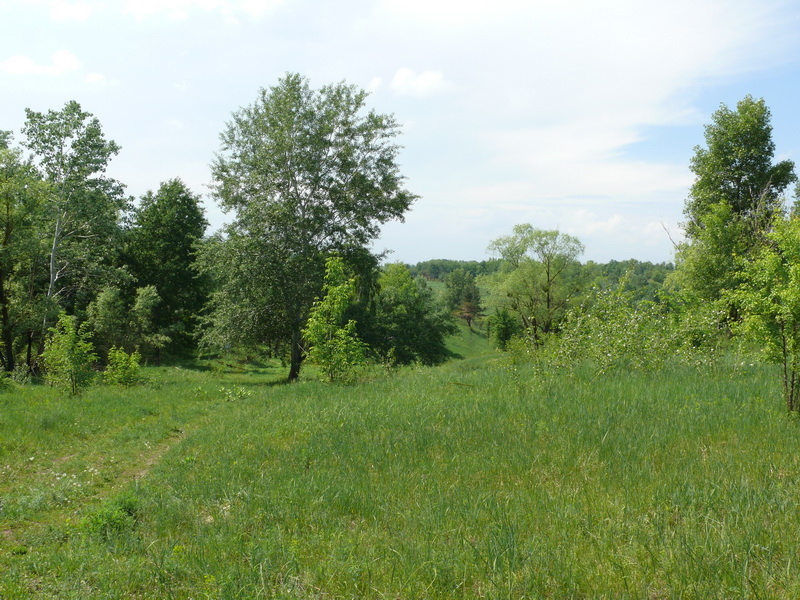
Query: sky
[[576, 115]]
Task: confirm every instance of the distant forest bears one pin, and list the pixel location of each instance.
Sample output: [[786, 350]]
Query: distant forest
[[644, 277]]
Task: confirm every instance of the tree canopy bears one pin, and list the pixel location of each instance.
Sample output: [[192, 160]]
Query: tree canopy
[[540, 276], [736, 194], [307, 173], [736, 169], [166, 231]]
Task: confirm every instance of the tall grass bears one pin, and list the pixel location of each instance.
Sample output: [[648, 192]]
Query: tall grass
[[465, 481]]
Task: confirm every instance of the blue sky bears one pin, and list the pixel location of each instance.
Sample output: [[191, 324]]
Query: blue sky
[[574, 115]]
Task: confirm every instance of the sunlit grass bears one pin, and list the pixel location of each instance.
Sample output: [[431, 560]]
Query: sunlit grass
[[469, 480]]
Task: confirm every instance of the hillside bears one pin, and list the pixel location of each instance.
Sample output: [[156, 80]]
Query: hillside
[[476, 479]]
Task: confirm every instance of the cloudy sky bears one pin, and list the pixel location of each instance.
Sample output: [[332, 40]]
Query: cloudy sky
[[575, 115]]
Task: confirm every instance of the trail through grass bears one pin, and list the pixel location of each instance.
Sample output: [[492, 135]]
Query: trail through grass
[[467, 481]]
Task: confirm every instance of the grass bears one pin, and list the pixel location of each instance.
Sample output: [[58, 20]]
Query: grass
[[470, 480], [470, 342]]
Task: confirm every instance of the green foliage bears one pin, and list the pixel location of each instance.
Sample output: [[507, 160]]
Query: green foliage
[[736, 194], [83, 210], [735, 168], [334, 344], [502, 327], [144, 321], [69, 355], [462, 295], [166, 230], [309, 173], [407, 322], [710, 264], [439, 268], [123, 369], [613, 332], [645, 279], [113, 519], [23, 198], [769, 297], [540, 277], [128, 325]]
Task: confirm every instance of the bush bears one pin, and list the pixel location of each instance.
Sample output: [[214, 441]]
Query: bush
[[68, 356], [502, 327], [123, 368], [613, 332]]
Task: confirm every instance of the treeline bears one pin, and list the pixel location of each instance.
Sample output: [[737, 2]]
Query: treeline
[[89, 277], [72, 242], [736, 279], [438, 268], [643, 278]]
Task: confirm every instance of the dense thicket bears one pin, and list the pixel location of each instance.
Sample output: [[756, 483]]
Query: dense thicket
[[166, 232]]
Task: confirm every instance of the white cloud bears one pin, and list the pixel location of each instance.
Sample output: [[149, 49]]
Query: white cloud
[[584, 221], [374, 84], [450, 12], [408, 82], [60, 10], [98, 79], [258, 9], [179, 10], [61, 62]]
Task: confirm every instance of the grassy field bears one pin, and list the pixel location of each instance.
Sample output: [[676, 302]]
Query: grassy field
[[471, 480]]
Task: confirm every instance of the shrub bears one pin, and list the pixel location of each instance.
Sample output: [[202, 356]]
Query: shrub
[[123, 368], [335, 346], [613, 332], [68, 356], [502, 327]]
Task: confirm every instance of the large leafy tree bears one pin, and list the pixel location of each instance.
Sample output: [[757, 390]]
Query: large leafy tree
[[84, 206], [307, 173], [542, 275], [23, 195], [737, 192], [167, 229]]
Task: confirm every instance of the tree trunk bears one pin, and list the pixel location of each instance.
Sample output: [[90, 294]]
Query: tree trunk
[[29, 355], [8, 336], [296, 356]]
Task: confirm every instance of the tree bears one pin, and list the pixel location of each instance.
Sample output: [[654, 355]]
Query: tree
[[770, 299], [541, 275], [84, 207], [462, 295], [127, 324], [502, 327], [68, 355], [406, 324], [736, 194], [334, 343], [308, 173], [162, 243], [22, 198]]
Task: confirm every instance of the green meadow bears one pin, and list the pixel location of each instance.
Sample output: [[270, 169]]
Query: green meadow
[[476, 479]]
